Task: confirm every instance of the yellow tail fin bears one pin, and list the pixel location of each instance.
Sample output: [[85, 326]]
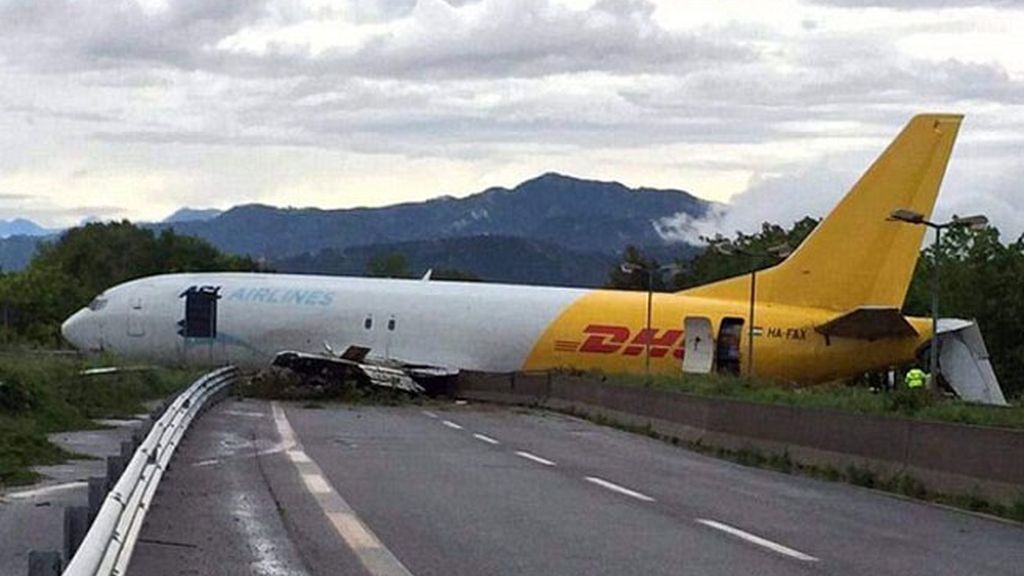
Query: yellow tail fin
[[856, 256]]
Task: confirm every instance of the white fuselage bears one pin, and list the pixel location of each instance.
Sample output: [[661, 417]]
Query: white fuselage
[[489, 327]]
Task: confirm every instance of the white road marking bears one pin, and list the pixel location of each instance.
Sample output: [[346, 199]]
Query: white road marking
[[754, 539], [374, 556], [429, 414], [317, 484], [244, 413], [487, 439], [202, 463], [535, 458], [616, 488], [25, 494], [451, 424]]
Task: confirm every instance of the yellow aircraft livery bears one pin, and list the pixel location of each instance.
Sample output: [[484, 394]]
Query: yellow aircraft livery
[[830, 310]]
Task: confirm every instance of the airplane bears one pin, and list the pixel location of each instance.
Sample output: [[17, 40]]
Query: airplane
[[828, 311]]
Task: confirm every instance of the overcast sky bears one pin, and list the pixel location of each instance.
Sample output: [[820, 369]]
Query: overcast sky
[[135, 108]]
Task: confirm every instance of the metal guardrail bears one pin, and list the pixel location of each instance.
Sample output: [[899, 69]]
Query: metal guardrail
[[107, 547]]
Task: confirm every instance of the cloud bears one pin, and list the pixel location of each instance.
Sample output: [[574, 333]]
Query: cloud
[[920, 4], [64, 216], [373, 39], [8, 197], [780, 198], [361, 101], [981, 179], [488, 38], [71, 35], [33, 111]]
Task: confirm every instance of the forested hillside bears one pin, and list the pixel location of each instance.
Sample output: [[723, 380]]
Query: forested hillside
[[83, 262]]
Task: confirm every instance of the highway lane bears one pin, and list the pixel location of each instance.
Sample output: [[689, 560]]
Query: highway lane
[[226, 504], [448, 503], [477, 490], [850, 529]]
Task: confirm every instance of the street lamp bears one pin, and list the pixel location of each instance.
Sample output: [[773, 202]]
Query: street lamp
[[781, 251], [908, 216], [632, 268]]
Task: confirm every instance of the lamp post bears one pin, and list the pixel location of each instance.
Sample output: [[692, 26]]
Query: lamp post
[[781, 251], [632, 268], [908, 216]]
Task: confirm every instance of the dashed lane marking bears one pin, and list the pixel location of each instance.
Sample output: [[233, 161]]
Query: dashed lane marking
[[374, 556], [429, 414], [487, 439], [616, 488], [247, 414], [754, 539], [535, 458], [451, 425]]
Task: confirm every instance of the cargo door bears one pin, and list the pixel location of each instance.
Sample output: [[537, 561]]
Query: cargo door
[[136, 318], [699, 356], [199, 326], [389, 336]]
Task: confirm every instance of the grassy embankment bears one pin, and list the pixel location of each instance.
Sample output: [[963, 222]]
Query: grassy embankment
[[900, 403], [921, 406], [43, 393]]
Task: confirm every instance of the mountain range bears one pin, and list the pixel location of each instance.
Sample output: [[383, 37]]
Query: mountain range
[[553, 229], [22, 227]]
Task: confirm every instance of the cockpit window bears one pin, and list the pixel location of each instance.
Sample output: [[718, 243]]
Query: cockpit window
[[97, 303]]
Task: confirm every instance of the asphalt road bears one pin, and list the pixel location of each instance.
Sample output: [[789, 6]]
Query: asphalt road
[[259, 489]]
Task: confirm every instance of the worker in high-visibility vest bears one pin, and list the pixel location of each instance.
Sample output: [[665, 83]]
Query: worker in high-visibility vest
[[916, 378]]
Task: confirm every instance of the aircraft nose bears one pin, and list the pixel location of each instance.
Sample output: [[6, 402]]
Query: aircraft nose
[[75, 329]]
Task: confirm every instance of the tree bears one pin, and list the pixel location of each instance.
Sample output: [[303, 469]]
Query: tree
[[389, 265], [65, 275], [637, 279], [980, 279], [747, 252], [454, 274]]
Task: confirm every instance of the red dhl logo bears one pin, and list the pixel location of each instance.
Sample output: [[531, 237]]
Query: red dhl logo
[[610, 339]]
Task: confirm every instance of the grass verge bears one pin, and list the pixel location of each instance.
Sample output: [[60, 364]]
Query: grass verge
[[41, 394], [903, 484], [906, 403]]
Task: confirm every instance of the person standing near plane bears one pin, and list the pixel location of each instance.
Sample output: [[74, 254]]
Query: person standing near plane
[[915, 378]]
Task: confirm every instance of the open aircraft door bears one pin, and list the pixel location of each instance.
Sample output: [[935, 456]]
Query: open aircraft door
[[198, 328], [699, 356]]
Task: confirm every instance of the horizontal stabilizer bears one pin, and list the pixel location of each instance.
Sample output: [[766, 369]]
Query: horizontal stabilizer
[[868, 323]]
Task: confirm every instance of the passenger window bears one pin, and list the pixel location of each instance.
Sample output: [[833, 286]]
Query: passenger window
[[391, 324], [368, 323]]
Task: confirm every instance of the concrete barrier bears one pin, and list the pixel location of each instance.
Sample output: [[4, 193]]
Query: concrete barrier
[[44, 563], [945, 457]]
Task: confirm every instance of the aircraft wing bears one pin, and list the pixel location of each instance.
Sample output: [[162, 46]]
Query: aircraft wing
[[388, 373], [868, 323]]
